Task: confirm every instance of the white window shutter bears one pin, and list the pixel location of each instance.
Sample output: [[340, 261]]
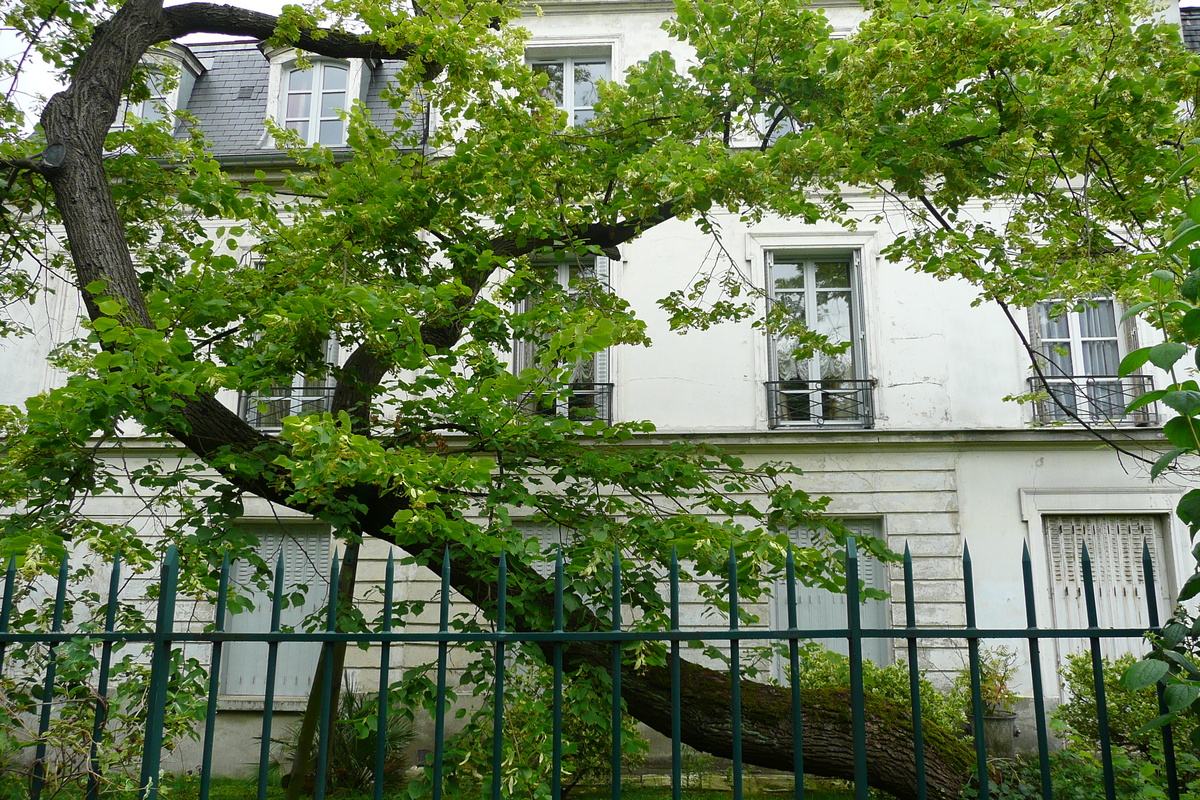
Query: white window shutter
[[306, 553], [1114, 543], [820, 608]]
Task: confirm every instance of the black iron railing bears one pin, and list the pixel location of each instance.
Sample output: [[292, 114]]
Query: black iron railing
[[581, 401], [835, 402], [1092, 398], [266, 411], [166, 640]]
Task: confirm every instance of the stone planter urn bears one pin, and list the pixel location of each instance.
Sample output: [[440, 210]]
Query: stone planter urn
[[1000, 734]]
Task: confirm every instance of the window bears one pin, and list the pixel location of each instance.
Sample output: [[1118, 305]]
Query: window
[[152, 108], [820, 291], [589, 392], [171, 74], [1079, 352], [306, 395], [306, 553], [1114, 543], [572, 83], [818, 608], [312, 101], [308, 100]]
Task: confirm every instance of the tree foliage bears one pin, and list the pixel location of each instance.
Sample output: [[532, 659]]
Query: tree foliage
[[1022, 143]]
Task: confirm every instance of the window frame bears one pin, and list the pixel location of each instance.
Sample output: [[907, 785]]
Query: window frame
[[301, 395], [314, 542], [863, 389], [1037, 504], [601, 388], [1091, 394], [285, 60], [544, 50], [879, 576]]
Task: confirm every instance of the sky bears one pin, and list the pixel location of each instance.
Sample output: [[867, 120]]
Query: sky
[[36, 81]]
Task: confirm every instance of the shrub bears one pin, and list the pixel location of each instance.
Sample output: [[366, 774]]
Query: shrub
[[528, 735], [820, 668], [1127, 711], [353, 739]]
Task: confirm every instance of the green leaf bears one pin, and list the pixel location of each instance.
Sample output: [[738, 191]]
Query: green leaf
[[1165, 460], [1186, 234], [1190, 588], [1133, 361], [1188, 509], [1186, 403], [1146, 399], [1179, 696], [1166, 354], [1173, 634], [96, 287], [1136, 309], [109, 307], [1155, 724], [1191, 284], [1144, 673], [1190, 324], [1181, 432]]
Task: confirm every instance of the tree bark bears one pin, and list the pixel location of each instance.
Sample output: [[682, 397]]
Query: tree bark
[[79, 118]]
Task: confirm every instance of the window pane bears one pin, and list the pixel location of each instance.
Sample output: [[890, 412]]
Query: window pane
[[1059, 358], [331, 103], [334, 78], [582, 117], [298, 106], [1052, 328], [786, 364], [1100, 357], [1099, 321], [835, 275], [300, 80], [586, 76], [300, 127], [787, 276], [331, 132], [554, 88]]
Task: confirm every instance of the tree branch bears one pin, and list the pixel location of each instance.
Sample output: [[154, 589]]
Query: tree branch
[[229, 20]]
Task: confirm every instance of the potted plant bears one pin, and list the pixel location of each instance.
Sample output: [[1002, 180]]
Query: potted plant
[[997, 667]]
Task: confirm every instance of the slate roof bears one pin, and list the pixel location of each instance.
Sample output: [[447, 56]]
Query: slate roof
[[1190, 17], [229, 100]]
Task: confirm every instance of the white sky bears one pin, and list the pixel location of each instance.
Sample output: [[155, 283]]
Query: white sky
[[35, 82]]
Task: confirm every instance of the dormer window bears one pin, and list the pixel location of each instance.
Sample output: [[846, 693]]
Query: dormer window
[[315, 98], [171, 73], [311, 99]]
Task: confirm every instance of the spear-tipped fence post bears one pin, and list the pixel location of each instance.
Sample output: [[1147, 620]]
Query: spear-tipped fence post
[[160, 674]]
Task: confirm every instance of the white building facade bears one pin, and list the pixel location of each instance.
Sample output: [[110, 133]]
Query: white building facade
[[907, 431]]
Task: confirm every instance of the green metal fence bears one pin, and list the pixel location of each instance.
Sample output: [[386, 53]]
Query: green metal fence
[[165, 639]]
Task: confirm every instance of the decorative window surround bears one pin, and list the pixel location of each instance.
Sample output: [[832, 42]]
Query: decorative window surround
[[173, 72], [759, 247], [1040, 506], [283, 61]]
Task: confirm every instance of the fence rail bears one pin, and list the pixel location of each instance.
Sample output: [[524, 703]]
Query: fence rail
[[164, 640]]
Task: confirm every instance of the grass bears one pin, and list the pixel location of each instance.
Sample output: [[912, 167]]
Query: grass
[[187, 787]]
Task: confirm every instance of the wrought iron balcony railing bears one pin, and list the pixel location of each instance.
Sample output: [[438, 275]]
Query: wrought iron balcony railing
[[1092, 398], [836, 402], [266, 411], [584, 401]]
